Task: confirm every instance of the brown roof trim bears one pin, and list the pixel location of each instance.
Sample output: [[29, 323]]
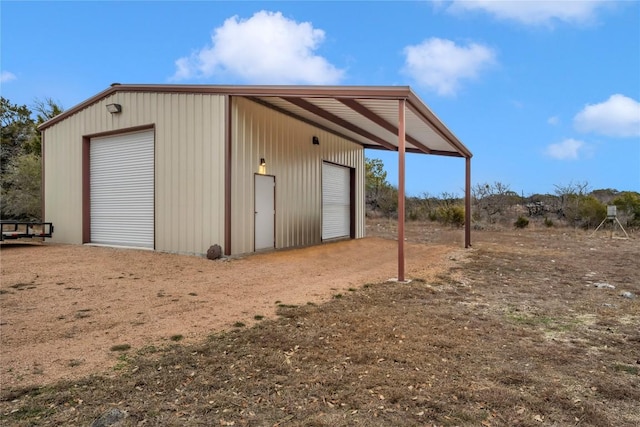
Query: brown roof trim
[[75, 109], [407, 150], [373, 92], [295, 94], [447, 153]]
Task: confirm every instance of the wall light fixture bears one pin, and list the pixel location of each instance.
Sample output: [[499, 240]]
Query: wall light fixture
[[114, 108]]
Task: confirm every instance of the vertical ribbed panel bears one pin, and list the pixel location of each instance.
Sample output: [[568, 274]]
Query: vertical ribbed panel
[[189, 166], [63, 181], [286, 145], [189, 169]]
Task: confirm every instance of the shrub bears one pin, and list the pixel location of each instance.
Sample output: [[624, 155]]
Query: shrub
[[591, 211], [451, 215], [120, 347], [629, 204], [457, 216], [521, 222], [548, 222]]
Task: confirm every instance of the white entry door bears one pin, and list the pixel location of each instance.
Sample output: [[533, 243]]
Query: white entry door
[[265, 212]]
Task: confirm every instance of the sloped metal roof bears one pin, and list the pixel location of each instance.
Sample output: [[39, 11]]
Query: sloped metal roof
[[367, 115]]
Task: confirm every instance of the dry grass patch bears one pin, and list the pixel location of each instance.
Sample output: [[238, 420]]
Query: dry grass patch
[[509, 337]]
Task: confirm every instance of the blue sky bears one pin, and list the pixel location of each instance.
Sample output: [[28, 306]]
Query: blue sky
[[544, 93]]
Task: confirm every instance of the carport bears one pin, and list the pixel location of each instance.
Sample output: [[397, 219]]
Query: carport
[[163, 130], [377, 117]]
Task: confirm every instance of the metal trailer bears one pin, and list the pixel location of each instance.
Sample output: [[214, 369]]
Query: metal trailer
[[23, 229]]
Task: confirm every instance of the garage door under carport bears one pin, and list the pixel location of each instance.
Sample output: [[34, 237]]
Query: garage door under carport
[[121, 181]]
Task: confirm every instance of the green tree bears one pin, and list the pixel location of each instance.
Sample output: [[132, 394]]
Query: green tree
[[591, 211], [18, 129], [629, 203], [380, 196], [21, 197], [20, 165], [375, 176], [45, 110]]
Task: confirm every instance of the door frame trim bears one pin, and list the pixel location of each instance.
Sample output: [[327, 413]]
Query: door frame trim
[[352, 199], [86, 175]]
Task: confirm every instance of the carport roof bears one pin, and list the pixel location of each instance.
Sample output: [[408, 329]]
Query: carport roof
[[367, 115]]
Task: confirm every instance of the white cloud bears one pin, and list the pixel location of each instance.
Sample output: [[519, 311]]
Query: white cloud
[[264, 49], [534, 12], [553, 120], [619, 116], [569, 149], [7, 76], [441, 65]]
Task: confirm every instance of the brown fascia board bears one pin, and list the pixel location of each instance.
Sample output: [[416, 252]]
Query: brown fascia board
[[448, 153], [417, 151], [281, 91], [407, 149], [374, 92], [295, 92]]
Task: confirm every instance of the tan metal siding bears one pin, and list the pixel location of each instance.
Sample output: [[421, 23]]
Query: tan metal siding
[[189, 176], [63, 183], [285, 144]]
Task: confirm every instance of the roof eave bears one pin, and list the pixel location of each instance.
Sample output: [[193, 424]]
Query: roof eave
[[76, 108], [289, 91], [376, 92], [437, 124]]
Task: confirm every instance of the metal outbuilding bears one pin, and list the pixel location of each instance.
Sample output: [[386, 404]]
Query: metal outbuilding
[[178, 168]]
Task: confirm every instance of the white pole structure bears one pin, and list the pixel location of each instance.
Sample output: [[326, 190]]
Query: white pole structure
[[401, 173]]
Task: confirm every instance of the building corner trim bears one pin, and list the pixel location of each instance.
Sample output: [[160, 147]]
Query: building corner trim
[[227, 174]]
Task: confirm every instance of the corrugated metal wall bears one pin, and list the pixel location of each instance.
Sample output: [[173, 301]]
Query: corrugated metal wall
[[189, 169], [285, 144], [189, 162], [62, 150]]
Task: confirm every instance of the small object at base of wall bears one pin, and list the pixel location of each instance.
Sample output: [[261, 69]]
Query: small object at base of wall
[[214, 252]]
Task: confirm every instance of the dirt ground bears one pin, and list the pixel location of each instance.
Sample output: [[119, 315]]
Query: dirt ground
[[534, 327], [64, 306]]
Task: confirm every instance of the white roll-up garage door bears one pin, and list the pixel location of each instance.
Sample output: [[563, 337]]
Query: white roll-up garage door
[[122, 189], [336, 201]]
